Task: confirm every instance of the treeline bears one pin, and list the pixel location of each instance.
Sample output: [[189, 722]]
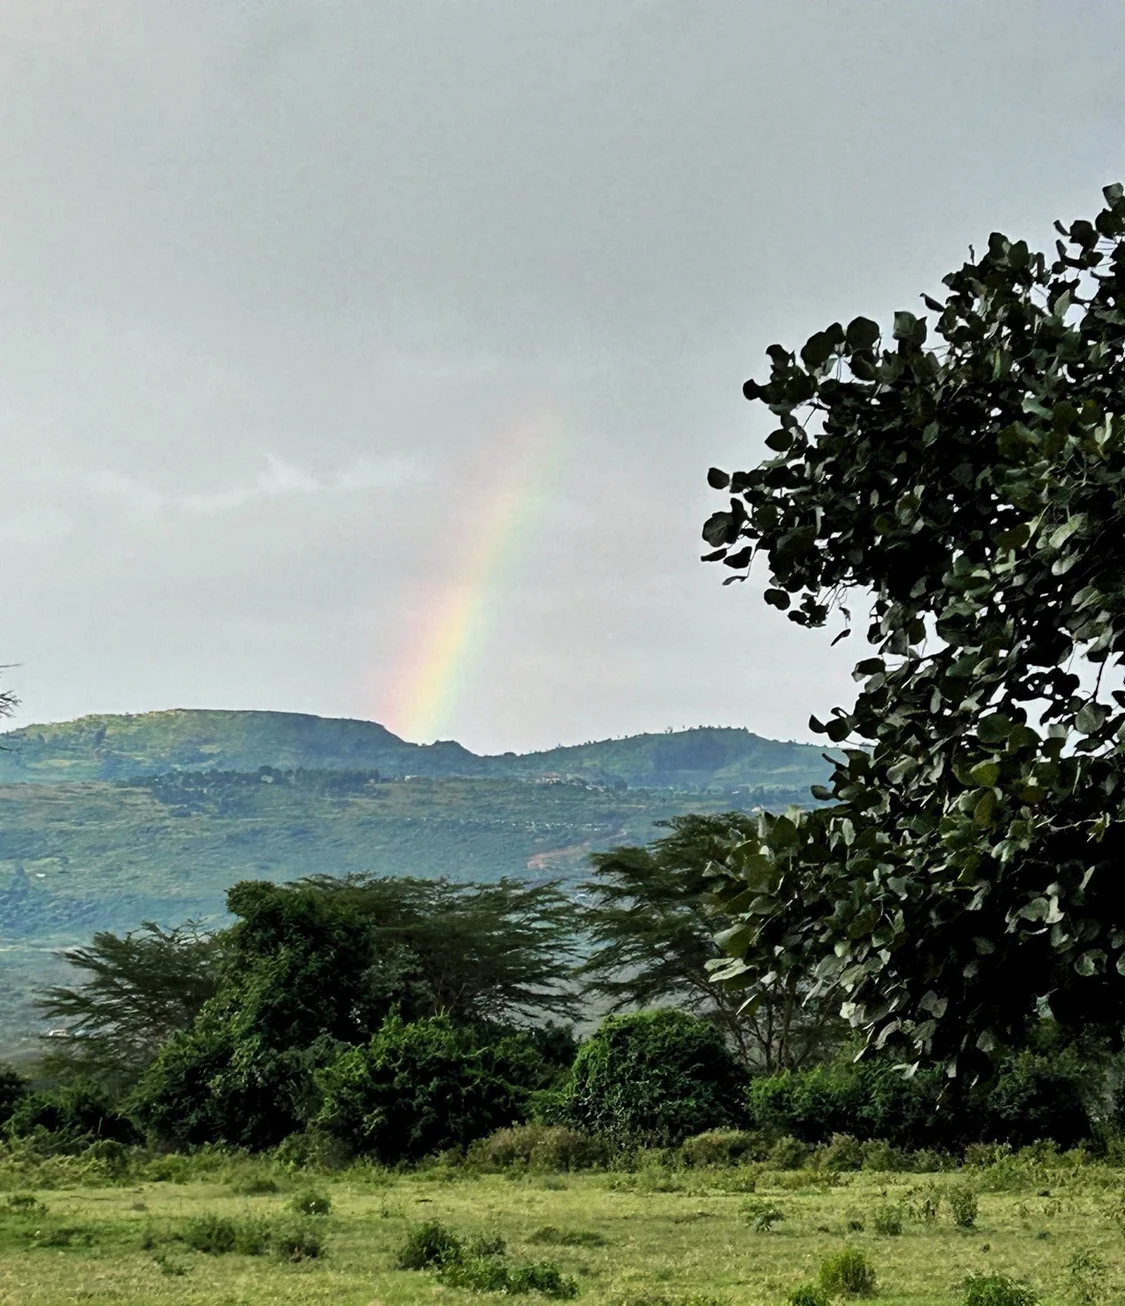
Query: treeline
[[396, 1018]]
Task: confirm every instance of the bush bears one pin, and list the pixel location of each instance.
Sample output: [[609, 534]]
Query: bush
[[429, 1246], [881, 1157], [788, 1154], [13, 1088], [70, 1118], [422, 1088], [847, 1273], [722, 1147], [888, 1219], [809, 1294], [963, 1204], [214, 1234], [997, 1290], [655, 1079], [491, 1274], [843, 1152], [539, 1147], [311, 1203], [1032, 1096], [299, 1242]]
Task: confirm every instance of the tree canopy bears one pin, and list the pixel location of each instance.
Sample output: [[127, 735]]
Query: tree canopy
[[652, 920], [966, 880]]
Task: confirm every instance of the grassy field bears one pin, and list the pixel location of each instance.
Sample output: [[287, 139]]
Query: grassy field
[[653, 1238]]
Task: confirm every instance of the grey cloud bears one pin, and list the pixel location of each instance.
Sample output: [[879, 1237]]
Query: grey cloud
[[277, 278]]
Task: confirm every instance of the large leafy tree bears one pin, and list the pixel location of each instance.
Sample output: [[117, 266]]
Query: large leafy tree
[[967, 880], [651, 918]]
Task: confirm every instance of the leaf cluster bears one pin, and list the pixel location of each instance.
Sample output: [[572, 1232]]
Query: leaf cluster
[[970, 478]]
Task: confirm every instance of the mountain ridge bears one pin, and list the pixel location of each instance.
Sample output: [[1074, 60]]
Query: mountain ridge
[[108, 746]]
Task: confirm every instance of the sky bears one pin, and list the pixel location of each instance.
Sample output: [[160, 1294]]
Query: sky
[[367, 359]]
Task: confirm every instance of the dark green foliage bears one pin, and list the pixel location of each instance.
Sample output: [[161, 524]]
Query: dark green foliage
[[963, 1204], [809, 1294], [887, 1219], [210, 1233], [292, 989], [655, 1078], [652, 921], [965, 881], [997, 1290], [313, 967], [299, 1242], [429, 1246], [539, 1147], [13, 1088], [71, 1117], [479, 1267], [311, 1203], [1030, 1096], [847, 1273], [424, 1087], [487, 1274], [478, 953], [138, 991]]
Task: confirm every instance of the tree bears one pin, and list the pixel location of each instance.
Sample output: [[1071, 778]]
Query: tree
[[425, 1087], [652, 921], [966, 881], [292, 991], [139, 990], [479, 953], [317, 966], [655, 1078]]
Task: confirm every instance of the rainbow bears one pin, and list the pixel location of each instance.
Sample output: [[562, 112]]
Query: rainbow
[[436, 663]]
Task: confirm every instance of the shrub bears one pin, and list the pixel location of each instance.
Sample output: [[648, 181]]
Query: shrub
[[963, 1204], [722, 1147], [1088, 1274], [880, 1156], [422, 1088], [299, 1242], [847, 1273], [843, 1152], [788, 1154], [762, 1215], [311, 1203], [491, 1274], [429, 1246], [888, 1219], [539, 1147], [13, 1089], [214, 1234], [997, 1290], [809, 1294], [70, 1118], [655, 1078]]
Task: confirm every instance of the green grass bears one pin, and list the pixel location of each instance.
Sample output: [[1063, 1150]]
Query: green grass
[[626, 1245]]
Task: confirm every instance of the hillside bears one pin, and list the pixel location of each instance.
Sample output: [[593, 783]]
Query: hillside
[[110, 821], [153, 743]]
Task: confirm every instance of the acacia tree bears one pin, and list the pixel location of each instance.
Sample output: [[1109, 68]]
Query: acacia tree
[[967, 879], [652, 919]]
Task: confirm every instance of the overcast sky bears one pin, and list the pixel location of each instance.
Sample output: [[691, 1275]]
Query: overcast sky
[[315, 312]]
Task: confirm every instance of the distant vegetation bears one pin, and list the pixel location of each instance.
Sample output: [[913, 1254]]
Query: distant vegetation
[[152, 743], [80, 852]]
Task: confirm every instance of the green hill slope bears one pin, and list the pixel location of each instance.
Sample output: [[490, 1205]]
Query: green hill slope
[[110, 821], [152, 743]]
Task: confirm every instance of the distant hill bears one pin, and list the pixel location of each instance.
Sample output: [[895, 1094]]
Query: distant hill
[[153, 743], [109, 821]]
